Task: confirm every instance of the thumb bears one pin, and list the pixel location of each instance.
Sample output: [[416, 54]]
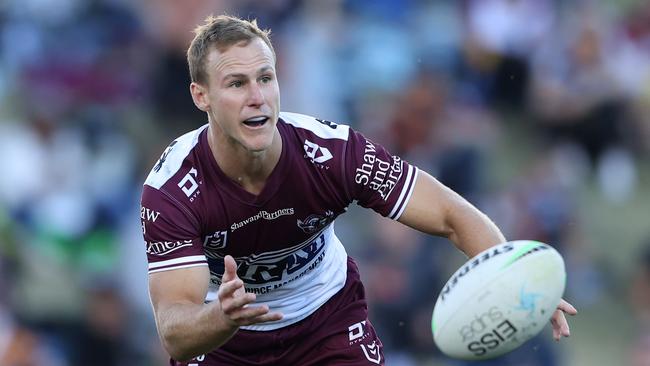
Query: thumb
[[229, 269]]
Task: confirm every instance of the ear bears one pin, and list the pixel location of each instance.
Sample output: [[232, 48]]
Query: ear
[[200, 96]]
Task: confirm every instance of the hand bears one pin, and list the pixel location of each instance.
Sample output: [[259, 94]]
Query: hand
[[235, 300], [559, 322]]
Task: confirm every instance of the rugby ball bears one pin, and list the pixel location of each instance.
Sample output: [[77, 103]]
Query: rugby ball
[[498, 300]]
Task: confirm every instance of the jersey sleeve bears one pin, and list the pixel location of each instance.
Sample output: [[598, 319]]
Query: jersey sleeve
[[171, 233], [377, 179]]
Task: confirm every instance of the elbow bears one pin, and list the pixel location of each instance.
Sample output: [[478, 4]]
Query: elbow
[[173, 344], [175, 351], [181, 357]]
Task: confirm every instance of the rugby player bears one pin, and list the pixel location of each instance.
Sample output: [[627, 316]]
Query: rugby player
[[237, 216]]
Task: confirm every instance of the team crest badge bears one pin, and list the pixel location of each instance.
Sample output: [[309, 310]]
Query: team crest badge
[[216, 241], [313, 223]]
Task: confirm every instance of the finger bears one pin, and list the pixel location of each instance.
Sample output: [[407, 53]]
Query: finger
[[236, 304], [264, 318], [229, 269], [227, 289], [260, 315], [275, 316], [250, 312], [560, 325], [556, 329], [567, 308]]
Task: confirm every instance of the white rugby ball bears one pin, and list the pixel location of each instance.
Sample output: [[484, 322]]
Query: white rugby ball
[[498, 300]]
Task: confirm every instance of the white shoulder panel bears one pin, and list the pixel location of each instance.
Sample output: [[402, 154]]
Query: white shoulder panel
[[172, 159], [325, 130]]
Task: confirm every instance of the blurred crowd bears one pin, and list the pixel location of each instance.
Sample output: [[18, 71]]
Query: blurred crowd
[[92, 91]]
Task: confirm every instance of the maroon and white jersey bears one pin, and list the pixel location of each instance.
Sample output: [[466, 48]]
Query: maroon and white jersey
[[282, 239]]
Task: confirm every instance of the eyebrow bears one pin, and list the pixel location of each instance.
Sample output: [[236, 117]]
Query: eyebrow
[[240, 75]]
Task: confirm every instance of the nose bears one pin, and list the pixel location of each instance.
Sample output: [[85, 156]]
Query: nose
[[255, 96]]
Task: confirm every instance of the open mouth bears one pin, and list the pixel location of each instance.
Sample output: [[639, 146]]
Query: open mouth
[[256, 121]]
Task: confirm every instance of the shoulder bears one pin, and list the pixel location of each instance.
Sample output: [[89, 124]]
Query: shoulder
[[172, 159], [317, 127]]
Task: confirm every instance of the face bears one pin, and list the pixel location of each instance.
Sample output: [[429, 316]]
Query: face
[[242, 95]]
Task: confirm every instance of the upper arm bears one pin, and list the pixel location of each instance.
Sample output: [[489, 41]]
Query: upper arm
[[178, 270], [171, 233], [377, 179], [178, 286]]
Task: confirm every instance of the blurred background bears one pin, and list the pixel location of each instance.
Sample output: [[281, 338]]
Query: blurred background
[[537, 111]]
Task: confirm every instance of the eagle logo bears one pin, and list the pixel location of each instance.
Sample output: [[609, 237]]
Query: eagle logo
[[314, 222]]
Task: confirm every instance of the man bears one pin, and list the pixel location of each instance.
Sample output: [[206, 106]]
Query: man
[[245, 268]]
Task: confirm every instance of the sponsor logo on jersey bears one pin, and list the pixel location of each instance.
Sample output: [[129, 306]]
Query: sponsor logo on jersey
[[386, 173], [198, 358], [189, 185], [262, 215], [357, 333], [166, 247], [327, 123], [269, 271], [163, 157], [148, 214], [313, 223], [277, 269], [216, 241], [316, 153]]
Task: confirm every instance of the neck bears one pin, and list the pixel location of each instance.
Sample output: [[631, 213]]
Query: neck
[[249, 169]]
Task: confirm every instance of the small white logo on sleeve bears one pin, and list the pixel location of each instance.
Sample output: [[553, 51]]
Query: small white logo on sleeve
[[200, 359], [355, 331], [371, 351], [317, 154], [188, 183]]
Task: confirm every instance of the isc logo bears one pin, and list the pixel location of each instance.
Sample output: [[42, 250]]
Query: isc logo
[[317, 154]]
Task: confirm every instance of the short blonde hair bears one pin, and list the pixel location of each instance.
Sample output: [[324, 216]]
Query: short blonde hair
[[221, 32]]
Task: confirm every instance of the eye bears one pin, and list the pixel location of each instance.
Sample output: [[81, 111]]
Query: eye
[[236, 84], [266, 79]]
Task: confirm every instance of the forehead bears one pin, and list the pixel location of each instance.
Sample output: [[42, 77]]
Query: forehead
[[242, 57]]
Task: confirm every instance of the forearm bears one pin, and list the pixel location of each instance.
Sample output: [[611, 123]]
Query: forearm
[[470, 230], [188, 330], [437, 210]]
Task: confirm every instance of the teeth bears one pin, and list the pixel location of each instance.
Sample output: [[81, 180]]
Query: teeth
[[257, 119]]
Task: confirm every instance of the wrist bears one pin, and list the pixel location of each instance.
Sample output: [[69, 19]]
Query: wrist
[[224, 325]]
